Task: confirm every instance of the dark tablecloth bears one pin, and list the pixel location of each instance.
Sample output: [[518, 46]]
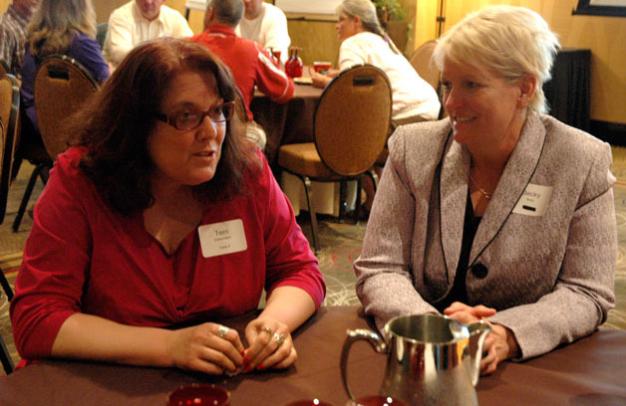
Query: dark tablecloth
[[591, 371]]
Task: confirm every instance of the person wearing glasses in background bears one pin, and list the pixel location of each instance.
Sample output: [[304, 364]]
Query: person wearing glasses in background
[[162, 219]]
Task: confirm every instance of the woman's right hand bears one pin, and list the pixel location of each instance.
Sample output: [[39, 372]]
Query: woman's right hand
[[210, 348]]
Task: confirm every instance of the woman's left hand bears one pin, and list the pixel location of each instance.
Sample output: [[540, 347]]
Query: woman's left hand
[[270, 345]]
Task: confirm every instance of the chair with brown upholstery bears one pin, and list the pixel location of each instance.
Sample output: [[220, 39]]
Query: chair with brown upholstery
[[350, 128], [9, 113], [62, 85], [421, 59], [4, 69], [60, 78]]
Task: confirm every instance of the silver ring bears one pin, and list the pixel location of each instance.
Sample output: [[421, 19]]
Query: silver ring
[[279, 339], [222, 331], [267, 330]]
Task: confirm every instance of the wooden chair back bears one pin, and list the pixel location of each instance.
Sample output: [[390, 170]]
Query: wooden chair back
[[62, 85], [352, 120], [9, 116], [4, 69], [423, 64]]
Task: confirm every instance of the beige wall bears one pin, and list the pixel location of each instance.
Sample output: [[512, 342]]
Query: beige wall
[[605, 36]]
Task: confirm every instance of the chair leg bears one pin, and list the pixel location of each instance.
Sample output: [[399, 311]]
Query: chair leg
[[40, 171], [372, 174], [343, 204], [307, 192], [6, 286], [5, 357], [357, 204]]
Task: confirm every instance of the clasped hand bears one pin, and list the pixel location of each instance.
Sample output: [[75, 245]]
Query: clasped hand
[[499, 345], [216, 349]]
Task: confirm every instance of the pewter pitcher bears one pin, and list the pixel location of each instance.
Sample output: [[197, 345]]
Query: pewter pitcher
[[431, 359]]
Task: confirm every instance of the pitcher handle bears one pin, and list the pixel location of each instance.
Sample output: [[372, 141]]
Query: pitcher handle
[[377, 343], [478, 333]]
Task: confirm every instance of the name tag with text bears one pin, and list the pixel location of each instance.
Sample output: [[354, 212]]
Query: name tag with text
[[534, 201], [222, 238]]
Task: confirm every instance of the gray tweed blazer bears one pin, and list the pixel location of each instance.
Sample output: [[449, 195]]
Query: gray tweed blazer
[[551, 277]]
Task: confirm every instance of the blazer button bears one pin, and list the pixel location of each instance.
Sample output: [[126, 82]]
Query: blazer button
[[479, 270]]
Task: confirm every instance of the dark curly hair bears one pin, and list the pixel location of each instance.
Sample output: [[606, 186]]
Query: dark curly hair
[[116, 123]]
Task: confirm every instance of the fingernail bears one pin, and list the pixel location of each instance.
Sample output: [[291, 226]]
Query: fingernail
[[247, 368], [260, 366], [243, 353], [246, 359]]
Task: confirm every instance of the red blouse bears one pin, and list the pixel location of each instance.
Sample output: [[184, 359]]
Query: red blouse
[[83, 257]]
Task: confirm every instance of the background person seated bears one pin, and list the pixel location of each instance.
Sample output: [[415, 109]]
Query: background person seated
[[164, 217], [13, 34], [266, 24], [499, 211], [364, 41], [65, 27], [138, 21], [250, 64]]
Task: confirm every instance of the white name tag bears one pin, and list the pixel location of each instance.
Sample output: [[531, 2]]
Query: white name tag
[[222, 238], [534, 201]]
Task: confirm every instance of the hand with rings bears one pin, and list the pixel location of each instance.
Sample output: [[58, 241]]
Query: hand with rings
[[210, 348], [270, 345]]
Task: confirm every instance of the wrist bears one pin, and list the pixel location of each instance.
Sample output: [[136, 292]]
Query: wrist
[[508, 337], [512, 344]]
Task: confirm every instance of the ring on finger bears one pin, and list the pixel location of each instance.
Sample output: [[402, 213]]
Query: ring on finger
[[222, 331], [267, 330], [279, 339]]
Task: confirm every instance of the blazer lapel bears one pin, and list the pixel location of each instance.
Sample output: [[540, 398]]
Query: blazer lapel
[[453, 198], [516, 176]]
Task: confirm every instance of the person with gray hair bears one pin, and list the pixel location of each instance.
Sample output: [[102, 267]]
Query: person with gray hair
[[498, 211], [365, 41], [249, 63]]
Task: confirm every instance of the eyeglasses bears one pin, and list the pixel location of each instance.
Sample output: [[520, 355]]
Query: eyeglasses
[[190, 118]]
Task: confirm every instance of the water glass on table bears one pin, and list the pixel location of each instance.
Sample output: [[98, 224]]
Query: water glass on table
[[322, 67]]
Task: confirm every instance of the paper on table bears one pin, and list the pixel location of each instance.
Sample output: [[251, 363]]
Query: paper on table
[[303, 80]]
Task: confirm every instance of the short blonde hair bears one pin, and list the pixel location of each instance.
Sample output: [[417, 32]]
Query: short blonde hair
[[509, 40]]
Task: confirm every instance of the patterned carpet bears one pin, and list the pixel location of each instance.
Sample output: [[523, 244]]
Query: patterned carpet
[[340, 245]]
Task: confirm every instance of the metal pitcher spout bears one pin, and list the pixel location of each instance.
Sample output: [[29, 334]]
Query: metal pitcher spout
[[478, 332]]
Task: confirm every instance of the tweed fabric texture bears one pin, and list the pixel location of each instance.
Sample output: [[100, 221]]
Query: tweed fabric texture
[[550, 277]]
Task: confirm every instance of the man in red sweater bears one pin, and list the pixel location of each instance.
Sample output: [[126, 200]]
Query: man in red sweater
[[250, 64]]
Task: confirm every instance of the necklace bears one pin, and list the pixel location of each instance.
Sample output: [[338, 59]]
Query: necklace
[[482, 191]]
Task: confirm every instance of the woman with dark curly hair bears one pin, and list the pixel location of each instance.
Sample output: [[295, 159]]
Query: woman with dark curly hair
[[164, 217]]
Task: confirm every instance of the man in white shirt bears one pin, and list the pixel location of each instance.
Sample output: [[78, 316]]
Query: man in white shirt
[[265, 24], [138, 21]]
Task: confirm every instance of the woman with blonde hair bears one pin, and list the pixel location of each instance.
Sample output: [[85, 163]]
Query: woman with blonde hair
[[499, 211], [65, 27]]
